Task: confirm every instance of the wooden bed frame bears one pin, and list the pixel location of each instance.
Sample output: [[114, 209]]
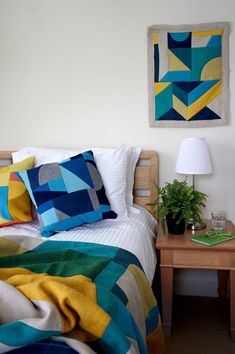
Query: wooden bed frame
[[146, 177]]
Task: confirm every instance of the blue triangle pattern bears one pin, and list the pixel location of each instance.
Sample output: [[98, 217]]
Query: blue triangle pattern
[[72, 182]]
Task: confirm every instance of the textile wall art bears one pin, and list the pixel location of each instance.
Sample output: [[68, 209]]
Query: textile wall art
[[188, 73]]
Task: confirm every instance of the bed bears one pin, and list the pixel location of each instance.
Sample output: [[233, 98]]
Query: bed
[[87, 289]]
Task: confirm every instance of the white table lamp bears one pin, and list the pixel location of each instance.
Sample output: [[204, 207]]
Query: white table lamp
[[193, 159]]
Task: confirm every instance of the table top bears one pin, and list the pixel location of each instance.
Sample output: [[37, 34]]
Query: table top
[[184, 241]]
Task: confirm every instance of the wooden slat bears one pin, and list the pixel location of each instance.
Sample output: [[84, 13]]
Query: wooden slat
[[5, 155], [142, 177], [146, 178]]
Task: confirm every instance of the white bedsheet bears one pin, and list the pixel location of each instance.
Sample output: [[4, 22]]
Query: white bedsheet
[[136, 234]]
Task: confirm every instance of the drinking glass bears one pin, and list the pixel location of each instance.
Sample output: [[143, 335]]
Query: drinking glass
[[218, 219]]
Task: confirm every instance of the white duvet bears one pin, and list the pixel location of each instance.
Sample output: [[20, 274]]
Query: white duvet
[[136, 234]]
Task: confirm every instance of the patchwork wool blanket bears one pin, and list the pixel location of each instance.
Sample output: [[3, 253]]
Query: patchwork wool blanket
[[85, 292]]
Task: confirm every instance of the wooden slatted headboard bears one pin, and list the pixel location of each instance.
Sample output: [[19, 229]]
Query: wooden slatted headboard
[[146, 179], [146, 176]]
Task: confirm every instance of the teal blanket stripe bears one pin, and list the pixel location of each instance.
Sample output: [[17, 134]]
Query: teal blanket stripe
[[24, 334]]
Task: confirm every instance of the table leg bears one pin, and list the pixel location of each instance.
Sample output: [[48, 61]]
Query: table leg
[[232, 305], [167, 293], [222, 284]]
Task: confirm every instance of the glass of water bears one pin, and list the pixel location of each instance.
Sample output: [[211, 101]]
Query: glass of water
[[218, 219]]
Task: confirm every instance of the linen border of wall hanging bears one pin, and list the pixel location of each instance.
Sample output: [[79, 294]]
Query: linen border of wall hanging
[[188, 73]]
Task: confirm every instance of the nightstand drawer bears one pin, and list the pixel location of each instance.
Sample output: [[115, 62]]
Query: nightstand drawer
[[197, 259]]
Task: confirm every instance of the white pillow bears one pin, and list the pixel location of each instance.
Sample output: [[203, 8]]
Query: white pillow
[[116, 167], [134, 154]]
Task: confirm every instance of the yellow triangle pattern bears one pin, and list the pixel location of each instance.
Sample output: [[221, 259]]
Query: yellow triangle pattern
[[160, 86], [175, 64]]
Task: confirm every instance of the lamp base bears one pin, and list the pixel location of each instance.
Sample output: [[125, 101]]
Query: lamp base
[[196, 226]]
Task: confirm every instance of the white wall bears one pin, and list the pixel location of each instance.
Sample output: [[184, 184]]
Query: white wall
[[74, 73]]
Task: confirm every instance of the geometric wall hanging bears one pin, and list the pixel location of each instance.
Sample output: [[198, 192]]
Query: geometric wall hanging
[[188, 74]]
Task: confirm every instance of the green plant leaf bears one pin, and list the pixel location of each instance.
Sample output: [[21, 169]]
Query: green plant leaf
[[179, 198]]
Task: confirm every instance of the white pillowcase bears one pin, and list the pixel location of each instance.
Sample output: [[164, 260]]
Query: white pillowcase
[[116, 167], [134, 154]]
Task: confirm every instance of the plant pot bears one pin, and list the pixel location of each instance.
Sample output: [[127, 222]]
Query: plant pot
[[175, 227]]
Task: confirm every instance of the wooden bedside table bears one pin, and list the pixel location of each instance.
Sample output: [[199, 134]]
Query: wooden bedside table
[[178, 251]]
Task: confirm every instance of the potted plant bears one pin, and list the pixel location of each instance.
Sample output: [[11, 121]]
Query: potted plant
[[178, 204]]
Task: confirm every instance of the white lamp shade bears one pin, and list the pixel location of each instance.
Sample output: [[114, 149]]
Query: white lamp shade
[[193, 157]]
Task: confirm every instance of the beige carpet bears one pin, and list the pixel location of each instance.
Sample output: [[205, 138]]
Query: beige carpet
[[200, 326]]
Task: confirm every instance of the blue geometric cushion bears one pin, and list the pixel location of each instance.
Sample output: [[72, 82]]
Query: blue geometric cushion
[[67, 194]]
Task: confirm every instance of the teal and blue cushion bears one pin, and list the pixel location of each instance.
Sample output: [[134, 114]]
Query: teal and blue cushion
[[67, 194]]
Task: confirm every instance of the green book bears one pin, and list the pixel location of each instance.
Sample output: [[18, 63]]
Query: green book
[[211, 238]]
